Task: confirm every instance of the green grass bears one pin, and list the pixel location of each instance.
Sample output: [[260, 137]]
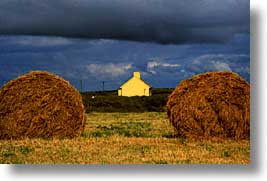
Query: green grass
[[125, 138], [128, 125]]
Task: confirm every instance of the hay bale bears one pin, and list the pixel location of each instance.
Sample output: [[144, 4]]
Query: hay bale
[[211, 105], [40, 104]]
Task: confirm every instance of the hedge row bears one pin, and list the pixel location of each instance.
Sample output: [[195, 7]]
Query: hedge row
[[110, 102]]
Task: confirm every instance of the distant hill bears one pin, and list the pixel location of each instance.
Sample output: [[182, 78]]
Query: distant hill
[[109, 101]]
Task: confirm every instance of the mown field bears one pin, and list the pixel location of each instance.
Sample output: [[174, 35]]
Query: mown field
[[125, 138]]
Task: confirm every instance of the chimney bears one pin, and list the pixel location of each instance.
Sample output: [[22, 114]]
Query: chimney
[[137, 75]]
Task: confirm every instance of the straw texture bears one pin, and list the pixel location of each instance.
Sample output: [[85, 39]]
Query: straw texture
[[40, 104], [214, 104]]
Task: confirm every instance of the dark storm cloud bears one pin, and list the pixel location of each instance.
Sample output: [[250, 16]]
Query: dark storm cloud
[[162, 21], [95, 61]]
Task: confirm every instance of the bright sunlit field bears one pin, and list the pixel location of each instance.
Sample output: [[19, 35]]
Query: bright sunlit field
[[125, 138]]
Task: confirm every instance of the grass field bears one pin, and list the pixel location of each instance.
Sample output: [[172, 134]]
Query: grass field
[[125, 138]]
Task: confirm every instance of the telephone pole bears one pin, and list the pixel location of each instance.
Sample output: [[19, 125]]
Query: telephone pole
[[103, 86], [81, 85]]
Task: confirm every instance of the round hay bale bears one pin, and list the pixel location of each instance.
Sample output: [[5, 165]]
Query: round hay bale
[[211, 105], [40, 104]]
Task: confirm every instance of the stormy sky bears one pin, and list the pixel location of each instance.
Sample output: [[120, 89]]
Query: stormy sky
[[98, 40]]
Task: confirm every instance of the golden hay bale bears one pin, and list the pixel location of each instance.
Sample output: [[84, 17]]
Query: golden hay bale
[[40, 104], [211, 105]]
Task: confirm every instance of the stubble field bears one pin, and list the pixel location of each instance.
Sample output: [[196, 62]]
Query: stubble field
[[125, 138]]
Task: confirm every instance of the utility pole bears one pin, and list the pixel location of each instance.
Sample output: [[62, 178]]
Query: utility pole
[[81, 85], [103, 86]]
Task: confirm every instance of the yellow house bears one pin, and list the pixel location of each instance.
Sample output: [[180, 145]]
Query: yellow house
[[135, 86]]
